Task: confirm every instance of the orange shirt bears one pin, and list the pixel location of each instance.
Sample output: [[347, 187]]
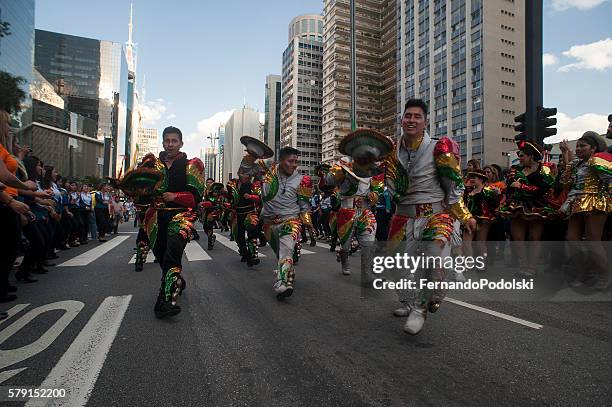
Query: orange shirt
[[11, 164]]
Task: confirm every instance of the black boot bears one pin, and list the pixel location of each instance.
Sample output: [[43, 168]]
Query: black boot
[[165, 308]]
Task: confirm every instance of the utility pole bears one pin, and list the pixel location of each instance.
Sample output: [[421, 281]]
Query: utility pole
[[353, 70], [534, 68]]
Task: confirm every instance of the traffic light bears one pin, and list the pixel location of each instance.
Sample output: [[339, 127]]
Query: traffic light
[[521, 127], [545, 121]]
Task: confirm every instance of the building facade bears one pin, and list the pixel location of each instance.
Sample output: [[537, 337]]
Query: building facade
[[272, 111], [466, 59], [91, 76], [221, 144], [209, 157], [302, 90], [17, 49], [147, 141], [376, 40], [242, 122]]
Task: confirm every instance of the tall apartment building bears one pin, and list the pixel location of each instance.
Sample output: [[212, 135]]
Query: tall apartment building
[[209, 157], [466, 59], [147, 141], [302, 90], [376, 48], [272, 119]]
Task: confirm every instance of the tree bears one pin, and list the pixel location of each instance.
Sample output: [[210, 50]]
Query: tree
[[11, 94]]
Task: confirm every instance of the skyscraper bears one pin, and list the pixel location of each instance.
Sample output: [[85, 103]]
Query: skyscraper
[[147, 141], [376, 49], [272, 119], [302, 92], [91, 76], [242, 122], [466, 59]]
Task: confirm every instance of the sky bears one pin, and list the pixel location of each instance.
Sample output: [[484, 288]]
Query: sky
[[203, 58]]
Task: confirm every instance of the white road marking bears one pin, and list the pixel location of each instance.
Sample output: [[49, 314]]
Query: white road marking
[[231, 245], [12, 356], [91, 255], [325, 245], [195, 252], [78, 369], [150, 258], [15, 310], [495, 313]]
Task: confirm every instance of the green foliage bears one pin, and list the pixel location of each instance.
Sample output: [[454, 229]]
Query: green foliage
[[11, 94]]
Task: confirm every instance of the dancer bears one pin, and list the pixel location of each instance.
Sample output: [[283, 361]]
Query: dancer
[[588, 177], [177, 185], [213, 208], [423, 175], [526, 203], [286, 203], [359, 191]]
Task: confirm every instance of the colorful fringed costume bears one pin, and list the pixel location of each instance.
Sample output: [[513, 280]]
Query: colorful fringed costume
[[424, 178], [357, 195], [213, 205], [528, 201], [245, 200], [590, 185], [286, 206], [168, 225]]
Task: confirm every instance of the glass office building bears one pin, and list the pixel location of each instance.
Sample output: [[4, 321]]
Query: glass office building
[[91, 76]]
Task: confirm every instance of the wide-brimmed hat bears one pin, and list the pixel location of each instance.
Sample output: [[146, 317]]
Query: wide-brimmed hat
[[366, 143], [531, 148], [478, 174], [256, 148]]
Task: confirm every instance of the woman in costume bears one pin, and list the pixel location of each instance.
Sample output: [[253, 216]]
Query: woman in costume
[[213, 209], [526, 203], [482, 202], [588, 177]]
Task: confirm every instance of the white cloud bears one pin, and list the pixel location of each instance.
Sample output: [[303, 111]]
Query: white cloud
[[549, 59], [572, 128], [194, 142], [152, 111], [596, 56], [562, 5], [170, 116]]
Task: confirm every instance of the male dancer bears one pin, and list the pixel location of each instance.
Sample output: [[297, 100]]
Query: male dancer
[[286, 196], [246, 197], [169, 221], [212, 208], [357, 195], [424, 178]]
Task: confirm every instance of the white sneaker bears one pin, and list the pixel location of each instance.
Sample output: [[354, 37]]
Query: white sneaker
[[280, 287], [401, 312], [346, 271], [415, 321]]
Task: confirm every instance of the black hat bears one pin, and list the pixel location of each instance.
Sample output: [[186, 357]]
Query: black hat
[[531, 148]]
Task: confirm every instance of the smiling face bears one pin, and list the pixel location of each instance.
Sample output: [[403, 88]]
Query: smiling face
[[414, 122], [288, 164]]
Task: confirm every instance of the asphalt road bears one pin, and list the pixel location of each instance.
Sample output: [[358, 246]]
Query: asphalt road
[[234, 344]]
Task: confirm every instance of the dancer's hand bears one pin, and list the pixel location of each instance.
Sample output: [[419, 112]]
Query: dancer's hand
[[168, 196]]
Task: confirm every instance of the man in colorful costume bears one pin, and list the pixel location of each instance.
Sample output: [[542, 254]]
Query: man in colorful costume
[[213, 207], [175, 186], [358, 192], [286, 204], [424, 178]]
